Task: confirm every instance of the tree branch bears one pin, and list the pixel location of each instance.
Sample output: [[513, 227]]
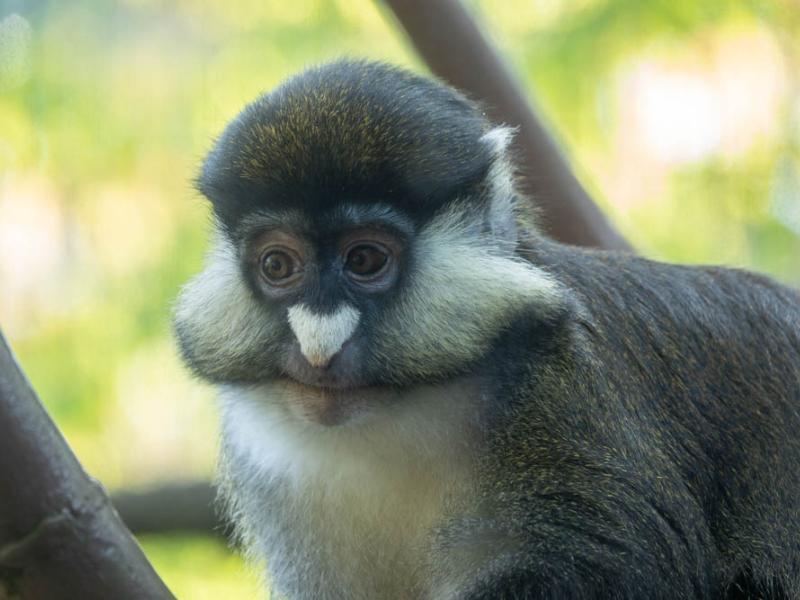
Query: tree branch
[[451, 43], [186, 507], [60, 537]]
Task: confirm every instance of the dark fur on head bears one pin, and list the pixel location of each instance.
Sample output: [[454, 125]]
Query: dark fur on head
[[353, 131]]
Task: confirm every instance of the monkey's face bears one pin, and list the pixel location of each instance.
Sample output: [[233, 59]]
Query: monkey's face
[[324, 281], [344, 267]]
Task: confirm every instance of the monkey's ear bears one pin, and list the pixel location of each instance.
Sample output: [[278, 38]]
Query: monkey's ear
[[498, 139], [502, 195]]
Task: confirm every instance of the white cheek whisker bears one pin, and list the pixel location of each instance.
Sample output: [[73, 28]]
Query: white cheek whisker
[[214, 316], [464, 289]]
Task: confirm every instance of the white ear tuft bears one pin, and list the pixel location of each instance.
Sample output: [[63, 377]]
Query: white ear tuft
[[498, 139], [501, 208]]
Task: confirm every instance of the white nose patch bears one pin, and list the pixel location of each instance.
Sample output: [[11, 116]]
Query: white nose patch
[[322, 336]]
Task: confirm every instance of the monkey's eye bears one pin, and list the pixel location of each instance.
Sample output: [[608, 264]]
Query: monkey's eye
[[280, 267], [365, 260]]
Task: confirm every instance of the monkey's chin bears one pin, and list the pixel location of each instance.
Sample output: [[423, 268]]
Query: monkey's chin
[[334, 406]]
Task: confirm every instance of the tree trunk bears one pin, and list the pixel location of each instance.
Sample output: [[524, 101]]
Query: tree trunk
[[60, 537]]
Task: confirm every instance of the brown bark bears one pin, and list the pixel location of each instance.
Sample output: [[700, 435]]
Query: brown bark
[[60, 537], [171, 507], [457, 51]]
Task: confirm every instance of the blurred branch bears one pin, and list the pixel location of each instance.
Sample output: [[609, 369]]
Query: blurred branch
[[455, 49], [186, 507], [60, 537]]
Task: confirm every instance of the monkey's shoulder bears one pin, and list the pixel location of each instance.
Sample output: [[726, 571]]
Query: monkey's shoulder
[[639, 335], [624, 292]]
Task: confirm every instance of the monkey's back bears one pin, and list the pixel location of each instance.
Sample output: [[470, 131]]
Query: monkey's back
[[670, 406]]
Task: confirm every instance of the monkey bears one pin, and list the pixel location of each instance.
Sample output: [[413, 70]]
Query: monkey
[[422, 396]]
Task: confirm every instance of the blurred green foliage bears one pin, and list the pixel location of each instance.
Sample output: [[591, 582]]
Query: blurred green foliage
[[681, 117]]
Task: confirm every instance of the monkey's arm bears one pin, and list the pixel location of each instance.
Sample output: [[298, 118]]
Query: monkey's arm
[[588, 530]]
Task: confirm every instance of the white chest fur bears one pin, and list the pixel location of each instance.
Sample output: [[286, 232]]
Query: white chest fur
[[346, 511]]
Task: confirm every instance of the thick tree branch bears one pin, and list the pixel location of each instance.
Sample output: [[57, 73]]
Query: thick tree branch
[[455, 49], [60, 537]]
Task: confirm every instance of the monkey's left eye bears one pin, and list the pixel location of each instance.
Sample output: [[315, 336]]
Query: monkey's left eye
[[280, 266], [365, 260]]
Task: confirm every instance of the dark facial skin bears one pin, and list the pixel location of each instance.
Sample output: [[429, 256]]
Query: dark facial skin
[[282, 261], [289, 268]]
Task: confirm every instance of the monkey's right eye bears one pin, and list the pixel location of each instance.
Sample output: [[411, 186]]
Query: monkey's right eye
[[280, 267]]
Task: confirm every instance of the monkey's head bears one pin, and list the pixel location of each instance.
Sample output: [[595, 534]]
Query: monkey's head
[[366, 237]]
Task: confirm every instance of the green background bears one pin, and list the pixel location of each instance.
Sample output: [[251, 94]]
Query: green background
[[681, 117]]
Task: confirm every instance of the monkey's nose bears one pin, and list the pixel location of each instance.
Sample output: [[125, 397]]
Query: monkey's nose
[[321, 336], [320, 362], [334, 372]]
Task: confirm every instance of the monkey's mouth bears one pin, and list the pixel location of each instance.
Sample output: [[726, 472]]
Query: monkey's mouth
[[335, 394], [323, 381], [343, 373], [333, 404]]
